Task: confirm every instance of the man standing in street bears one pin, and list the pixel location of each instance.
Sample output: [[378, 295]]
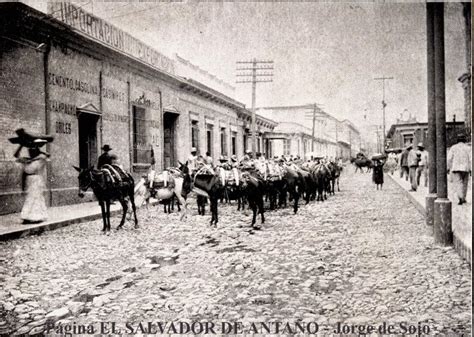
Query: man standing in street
[[412, 161], [422, 166], [459, 164], [404, 163]]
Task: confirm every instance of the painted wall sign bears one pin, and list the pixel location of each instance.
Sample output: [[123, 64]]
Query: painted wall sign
[[63, 127], [73, 84], [82, 86], [60, 107], [106, 33], [115, 118]]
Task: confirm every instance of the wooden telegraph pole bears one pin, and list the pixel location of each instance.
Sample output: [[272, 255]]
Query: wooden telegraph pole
[[317, 112], [431, 197], [384, 104], [443, 232], [254, 76]]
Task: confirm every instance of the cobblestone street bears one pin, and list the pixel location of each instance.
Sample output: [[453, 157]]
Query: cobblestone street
[[363, 256]]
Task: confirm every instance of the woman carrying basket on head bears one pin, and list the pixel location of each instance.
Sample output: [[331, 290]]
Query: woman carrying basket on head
[[377, 172], [34, 209]]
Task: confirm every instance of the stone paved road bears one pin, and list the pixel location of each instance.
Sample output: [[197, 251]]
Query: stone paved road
[[364, 256]]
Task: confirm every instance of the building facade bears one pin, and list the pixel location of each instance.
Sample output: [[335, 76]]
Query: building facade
[[87, 83], [290, 139], [405, 133], [332, 138]]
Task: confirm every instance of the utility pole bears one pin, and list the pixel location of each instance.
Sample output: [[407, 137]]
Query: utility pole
[[314, 124], [383, 79], [317, 112], [254, 76], [377, 133], [443, 231]]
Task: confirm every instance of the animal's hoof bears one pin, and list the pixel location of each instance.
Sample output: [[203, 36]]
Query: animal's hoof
[[256, 227]]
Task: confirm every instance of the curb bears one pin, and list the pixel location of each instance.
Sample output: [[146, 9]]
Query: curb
[[459, 246], [40, 228], [415, 203]]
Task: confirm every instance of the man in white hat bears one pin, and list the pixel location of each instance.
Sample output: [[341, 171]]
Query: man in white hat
[[192, 164]]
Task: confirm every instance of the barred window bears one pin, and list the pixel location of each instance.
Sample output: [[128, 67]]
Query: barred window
[[223, 142], [195, 134], [141, 146], [234, 143], [209, 138]]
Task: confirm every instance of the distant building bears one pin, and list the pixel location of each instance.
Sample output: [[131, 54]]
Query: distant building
[[290, 138], [88, 83], [404, 133], [332, 138], [351, 136]]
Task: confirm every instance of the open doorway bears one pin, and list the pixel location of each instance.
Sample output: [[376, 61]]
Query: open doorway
[[169, 130], [87, 139]]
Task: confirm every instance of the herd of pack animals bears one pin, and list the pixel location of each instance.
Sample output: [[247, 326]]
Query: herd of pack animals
[[278, 183]]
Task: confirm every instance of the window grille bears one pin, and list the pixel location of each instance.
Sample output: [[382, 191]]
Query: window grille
[[141, 145], [223, 142], [195, 134], [209, 139], [234, 143]]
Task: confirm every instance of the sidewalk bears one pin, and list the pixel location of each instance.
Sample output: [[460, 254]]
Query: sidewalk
[[11, 226], [461, 214]]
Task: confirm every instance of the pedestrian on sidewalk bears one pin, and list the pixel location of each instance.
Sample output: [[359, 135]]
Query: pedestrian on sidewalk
[[459, 164], [422, 165], [34, 209], [412, 160], [404, 163]]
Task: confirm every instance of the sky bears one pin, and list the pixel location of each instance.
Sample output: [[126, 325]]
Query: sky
[[328, 53]]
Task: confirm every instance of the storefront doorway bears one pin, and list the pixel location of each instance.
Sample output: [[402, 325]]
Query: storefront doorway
[[88, 116], [169, 129]]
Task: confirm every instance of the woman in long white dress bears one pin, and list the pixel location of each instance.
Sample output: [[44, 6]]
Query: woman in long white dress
[[34, 209]]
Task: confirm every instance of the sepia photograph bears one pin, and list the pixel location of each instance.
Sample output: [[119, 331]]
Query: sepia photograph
[[241, 168]]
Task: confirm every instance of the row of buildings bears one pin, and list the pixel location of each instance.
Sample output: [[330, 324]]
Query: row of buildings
[[79, 78], [410, 131]]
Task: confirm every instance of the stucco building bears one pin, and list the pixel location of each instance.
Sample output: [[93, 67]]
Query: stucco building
[[293, 135], [413, 132], [75, 76]]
